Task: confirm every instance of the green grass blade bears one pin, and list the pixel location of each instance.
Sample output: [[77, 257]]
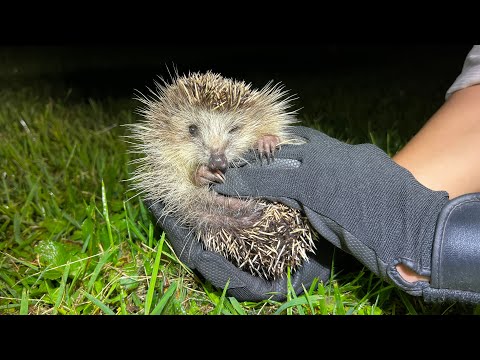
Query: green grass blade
[[219, 307], [291, 303], [5, 188], [164, 299], [71, 220], [290, 292], [30, 196], [153, 279], [136, 231], [99, 304], [16, 228], [228, 308], [322, 303], [24, 302], [70, 157], [20, 261], [307, 297], [123, 306], [101, 263], [236, 305], [106, 213], [150, 235], [300, 309], [61, 289], [374, 306], [3, 228], [339, 308], [127, 224]]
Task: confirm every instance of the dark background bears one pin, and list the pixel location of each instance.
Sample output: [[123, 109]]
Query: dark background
[[115, 69], [350, 89], [109, 50]]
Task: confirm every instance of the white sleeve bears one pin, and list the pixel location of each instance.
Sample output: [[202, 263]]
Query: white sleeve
[[470, 74]]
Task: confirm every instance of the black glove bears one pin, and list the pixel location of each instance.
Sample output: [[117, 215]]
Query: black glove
[[242, 285], [361, 201]]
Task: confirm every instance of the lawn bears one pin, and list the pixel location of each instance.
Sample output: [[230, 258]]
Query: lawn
[[75, 240]]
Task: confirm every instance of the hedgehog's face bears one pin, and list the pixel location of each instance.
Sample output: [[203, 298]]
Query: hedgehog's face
[[211, 139]]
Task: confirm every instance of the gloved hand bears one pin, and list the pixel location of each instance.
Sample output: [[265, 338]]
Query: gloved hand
[[241, 284], [361, 201]]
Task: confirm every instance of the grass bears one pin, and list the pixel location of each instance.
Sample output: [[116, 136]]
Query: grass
[[73, 240]]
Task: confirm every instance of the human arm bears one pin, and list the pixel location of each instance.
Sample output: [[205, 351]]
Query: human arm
[[444, 153]]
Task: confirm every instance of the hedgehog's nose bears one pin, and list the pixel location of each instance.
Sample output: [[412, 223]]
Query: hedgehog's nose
[[218, 161]]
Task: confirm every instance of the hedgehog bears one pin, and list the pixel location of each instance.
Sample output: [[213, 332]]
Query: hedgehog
[[192, 129]]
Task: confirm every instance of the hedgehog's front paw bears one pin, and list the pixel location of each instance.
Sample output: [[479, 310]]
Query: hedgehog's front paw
[[205, 176], [266, 146]]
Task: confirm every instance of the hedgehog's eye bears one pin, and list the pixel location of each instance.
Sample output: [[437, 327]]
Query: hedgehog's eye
[[193, 130], [235, 129]]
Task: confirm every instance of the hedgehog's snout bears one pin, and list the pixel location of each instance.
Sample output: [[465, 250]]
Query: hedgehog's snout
[[218, 161]]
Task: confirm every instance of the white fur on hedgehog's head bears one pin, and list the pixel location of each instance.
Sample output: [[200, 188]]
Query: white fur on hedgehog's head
[[225, 114], [186, 120]]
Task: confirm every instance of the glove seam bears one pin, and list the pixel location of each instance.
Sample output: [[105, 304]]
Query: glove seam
[[439, 247], [422, 270], [439, 241]]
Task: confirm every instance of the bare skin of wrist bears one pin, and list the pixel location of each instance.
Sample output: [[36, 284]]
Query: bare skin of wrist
[[443, 155]]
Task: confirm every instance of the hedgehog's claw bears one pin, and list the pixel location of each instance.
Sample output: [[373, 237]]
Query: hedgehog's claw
[[266, 146], [204, 176], [220, 176], [272, 155], [267, 157]]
